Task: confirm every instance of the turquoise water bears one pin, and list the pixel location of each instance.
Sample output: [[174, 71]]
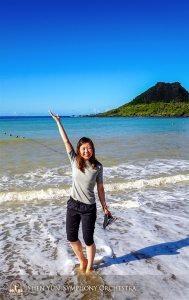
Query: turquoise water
[[33, 155], [44, 127], [116, 139]]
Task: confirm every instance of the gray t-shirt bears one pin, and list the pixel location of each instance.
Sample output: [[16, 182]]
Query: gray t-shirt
[[83, 183]]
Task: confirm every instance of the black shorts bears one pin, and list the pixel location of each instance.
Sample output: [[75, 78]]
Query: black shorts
[[77, 211]]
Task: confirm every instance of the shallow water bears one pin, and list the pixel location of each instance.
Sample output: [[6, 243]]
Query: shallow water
[[146, 178]]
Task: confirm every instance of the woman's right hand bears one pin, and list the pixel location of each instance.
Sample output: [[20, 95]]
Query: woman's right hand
[[63, 134], [56, 118]]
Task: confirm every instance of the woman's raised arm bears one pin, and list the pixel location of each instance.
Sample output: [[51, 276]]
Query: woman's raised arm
[[63, 134]]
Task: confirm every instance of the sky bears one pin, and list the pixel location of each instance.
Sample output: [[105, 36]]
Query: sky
[[88, 56]]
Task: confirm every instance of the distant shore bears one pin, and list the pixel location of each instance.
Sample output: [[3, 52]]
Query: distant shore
[[154, 109], [129, 116]]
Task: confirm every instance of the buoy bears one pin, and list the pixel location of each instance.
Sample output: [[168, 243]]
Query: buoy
[[10, 134]]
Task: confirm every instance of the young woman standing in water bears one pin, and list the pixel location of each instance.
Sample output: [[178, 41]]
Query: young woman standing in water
[[86, 172]]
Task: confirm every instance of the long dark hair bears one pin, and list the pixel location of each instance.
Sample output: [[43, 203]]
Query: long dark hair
[[80, 160]]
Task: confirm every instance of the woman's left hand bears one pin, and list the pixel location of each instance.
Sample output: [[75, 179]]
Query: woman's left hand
[[106, 211]]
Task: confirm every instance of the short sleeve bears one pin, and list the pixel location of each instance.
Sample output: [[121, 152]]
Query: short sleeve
[[72, 156], [99, 178]]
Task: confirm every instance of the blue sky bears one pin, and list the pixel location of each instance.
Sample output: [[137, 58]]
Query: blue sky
[[86, 56]]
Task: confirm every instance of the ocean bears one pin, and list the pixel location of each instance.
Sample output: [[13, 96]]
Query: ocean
[[146, 180]]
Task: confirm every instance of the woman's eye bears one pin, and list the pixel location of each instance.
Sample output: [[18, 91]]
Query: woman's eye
[[83, 149]]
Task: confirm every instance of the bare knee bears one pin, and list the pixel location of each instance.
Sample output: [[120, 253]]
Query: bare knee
[[73, 243], [89, 245]]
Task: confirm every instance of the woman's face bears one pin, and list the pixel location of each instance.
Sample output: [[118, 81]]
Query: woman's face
[[86, 151]]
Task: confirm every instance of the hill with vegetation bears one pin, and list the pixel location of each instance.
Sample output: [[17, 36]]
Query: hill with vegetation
[[161, 100]]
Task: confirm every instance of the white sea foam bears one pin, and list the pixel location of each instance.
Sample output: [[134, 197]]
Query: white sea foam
[[150, 241], [60, 177], [48, 194], [140, 170], [55, 177], [54, 193], [142, 183], [125, 204]]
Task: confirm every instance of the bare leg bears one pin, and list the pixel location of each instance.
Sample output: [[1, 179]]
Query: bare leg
[[77, 248], [91, 250]]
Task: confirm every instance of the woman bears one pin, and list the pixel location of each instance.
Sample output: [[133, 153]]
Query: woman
[[86, 172]]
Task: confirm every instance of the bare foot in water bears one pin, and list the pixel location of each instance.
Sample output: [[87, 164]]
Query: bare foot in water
[[88, 271], [83, 264]]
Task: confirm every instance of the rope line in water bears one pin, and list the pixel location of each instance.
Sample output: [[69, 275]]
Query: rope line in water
[[23, 137], [46, 146]]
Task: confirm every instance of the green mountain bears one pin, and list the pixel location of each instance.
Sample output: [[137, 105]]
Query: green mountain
[[163, 99], [163, 92]]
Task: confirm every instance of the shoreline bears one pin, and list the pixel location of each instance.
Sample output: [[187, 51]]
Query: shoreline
[[139, 116]]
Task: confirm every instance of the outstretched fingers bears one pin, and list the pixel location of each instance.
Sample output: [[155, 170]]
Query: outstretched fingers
[[51, 113], [56, 118]]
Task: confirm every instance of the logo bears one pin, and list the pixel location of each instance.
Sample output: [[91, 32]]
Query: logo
[[15, 288]]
